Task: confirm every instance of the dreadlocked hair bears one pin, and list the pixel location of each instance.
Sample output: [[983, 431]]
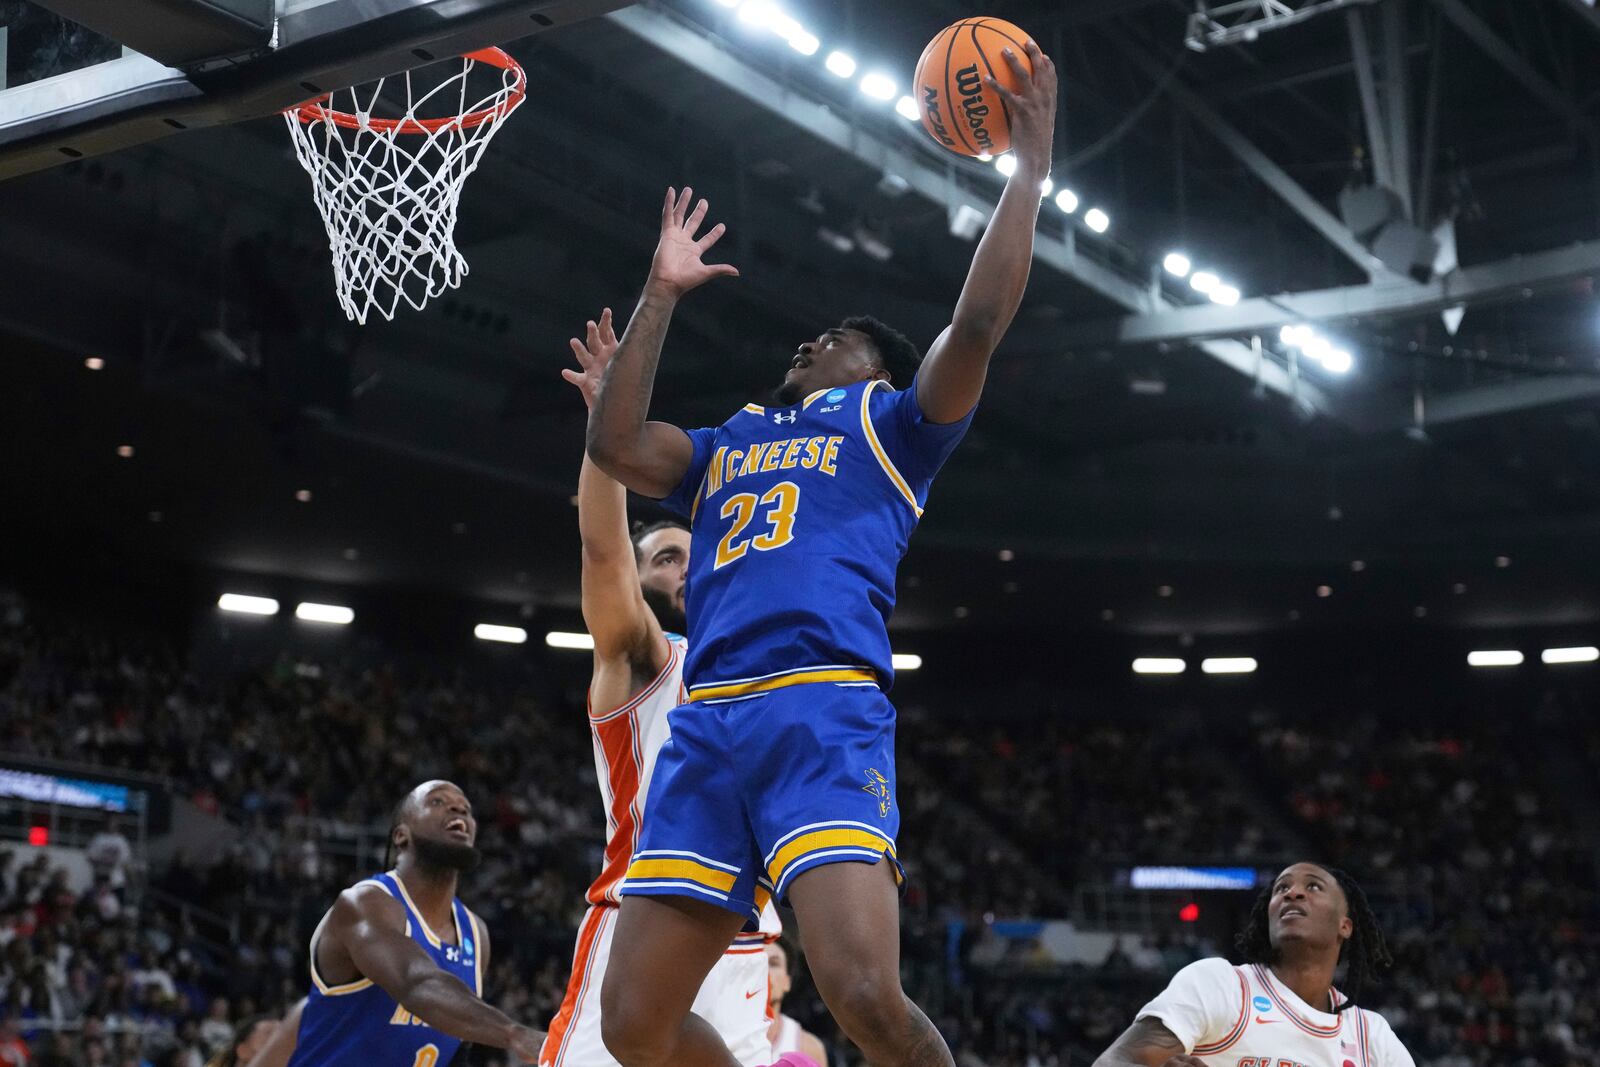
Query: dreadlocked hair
[[642, 529], [895, 350], [1365, 953]]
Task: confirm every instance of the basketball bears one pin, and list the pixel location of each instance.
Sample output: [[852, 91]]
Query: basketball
[[958, 108]]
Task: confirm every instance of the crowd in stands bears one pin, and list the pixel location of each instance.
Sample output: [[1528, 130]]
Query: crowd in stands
[[1470, 844]]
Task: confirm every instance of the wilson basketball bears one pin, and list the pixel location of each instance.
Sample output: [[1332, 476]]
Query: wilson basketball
[[959, 109]]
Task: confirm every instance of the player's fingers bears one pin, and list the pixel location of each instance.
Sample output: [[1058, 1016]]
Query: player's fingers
[[572, 376], [698, 217], [712, 236], [592, 334], [581, 352], [723, 270], [667, 207], [1005, 94], [684, 200], [608, 332], [1015, 63]]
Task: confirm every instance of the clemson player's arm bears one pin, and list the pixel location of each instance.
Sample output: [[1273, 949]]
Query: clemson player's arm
[[1147, 1043], [952, 376], [812, 1046], [627, 639]]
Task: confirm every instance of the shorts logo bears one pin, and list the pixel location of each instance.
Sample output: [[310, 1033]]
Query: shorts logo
[[834, 396], [878, 786]]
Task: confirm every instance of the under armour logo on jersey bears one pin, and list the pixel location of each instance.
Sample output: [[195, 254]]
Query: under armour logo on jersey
[[452, 954], [878, 786], [781, 417]]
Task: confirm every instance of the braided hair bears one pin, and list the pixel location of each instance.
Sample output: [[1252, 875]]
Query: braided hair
[[1365, 953]]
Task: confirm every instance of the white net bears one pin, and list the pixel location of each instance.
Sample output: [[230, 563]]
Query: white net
[[388, 188]]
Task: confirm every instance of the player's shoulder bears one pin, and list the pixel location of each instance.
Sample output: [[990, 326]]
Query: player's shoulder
[[1213, 970], [368, 897]]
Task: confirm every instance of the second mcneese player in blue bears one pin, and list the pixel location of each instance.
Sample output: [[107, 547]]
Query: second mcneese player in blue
[[779, 777]]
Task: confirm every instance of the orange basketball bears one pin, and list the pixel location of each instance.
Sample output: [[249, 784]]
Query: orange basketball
[[959, 109]]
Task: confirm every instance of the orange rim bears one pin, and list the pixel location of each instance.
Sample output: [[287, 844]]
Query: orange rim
[[318, 111]]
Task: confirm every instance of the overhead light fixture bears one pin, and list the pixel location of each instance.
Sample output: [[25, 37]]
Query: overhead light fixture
[[1226, 295], [125, 451], [836, 240], [967, 221], [1006, 164], [1495, 658], [839, 64], [247, 605], [576, 642], [1046, 187], [1585, 654], [1339, 361], [872, 245], [760, 14], [303, 495], [878, 86], [1177, 264], [1158, 665], [94, 363], [905, 661], [1067, 201], [1203, 281], [1318, 348], [511, 635], [1097, 220], [804, 43], [728, 3], [1229, 665], [1295, 335], [983, 157], [335, 614], [906, 108]]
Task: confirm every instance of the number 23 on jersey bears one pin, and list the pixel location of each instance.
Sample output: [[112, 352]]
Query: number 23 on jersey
[[776, 507]]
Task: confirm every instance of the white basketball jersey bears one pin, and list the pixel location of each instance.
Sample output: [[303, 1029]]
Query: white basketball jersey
[[1244, 1017], [788, 1039], [626, 743]]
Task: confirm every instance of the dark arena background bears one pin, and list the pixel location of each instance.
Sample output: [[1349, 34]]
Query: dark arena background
[[1276, 535]]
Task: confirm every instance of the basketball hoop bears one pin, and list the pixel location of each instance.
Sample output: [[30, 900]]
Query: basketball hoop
[[388, 188]]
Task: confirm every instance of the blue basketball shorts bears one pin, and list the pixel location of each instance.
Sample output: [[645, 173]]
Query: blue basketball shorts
[[750, 793]]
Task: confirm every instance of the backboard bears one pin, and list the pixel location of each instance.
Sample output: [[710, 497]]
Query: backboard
[[84, 77]]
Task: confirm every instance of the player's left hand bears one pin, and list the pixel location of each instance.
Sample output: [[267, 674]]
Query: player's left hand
[[594, 353], [1033, 110]]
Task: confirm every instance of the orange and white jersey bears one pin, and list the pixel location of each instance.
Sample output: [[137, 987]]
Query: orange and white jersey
[[1244, 1017], [626, 742]]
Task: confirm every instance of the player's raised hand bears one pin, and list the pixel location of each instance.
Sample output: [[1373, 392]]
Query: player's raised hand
[[677, 266], [1033, 110], [594, 352]]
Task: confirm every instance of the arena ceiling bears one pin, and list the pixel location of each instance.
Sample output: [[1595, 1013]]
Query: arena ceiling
[[440, 450]]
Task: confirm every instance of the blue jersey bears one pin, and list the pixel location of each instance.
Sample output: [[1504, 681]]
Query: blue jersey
[[799, 518], [359, 1025]]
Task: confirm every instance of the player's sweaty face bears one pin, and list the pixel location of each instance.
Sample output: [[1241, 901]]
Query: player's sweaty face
[[446, 815], [835, 358], [1307, 904]]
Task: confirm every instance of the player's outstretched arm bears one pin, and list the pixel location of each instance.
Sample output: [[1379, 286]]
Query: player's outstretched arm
[[651, 457], [1147, 1043], [951, 378], [626, 634], [369, 925]]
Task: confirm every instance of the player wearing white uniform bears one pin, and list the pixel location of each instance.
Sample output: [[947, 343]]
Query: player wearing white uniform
[[632, 597], [1280, 1009], [786, 1034]]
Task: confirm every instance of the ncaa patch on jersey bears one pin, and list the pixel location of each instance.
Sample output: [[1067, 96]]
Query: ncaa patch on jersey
[[1262, 1004], [834, 396]]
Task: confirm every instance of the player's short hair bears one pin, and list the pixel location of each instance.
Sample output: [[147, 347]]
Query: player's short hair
[[1365, 954], [642, 529], [397, 815], [896, 353]]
